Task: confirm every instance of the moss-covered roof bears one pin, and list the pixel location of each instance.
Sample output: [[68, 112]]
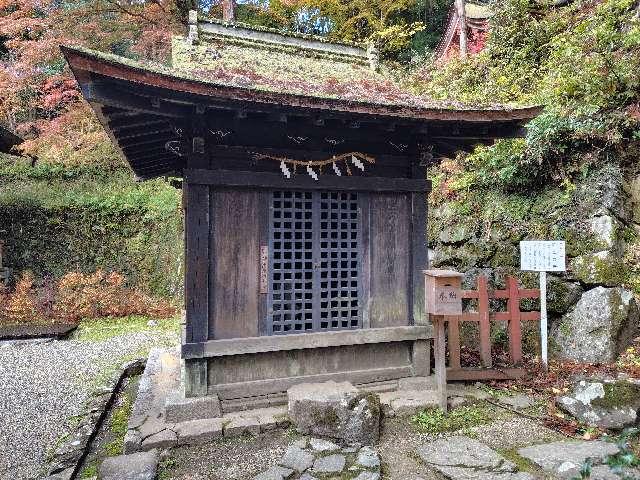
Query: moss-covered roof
[[269, 72]]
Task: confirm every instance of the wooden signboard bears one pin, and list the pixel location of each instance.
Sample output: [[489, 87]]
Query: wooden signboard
[[543, 256]]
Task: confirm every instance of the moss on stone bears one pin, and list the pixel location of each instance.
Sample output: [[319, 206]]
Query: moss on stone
[[328, 418], [618, 394], [522, 464], [601, 268]]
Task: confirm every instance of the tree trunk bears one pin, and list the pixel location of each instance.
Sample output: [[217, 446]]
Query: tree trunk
[[462, 25], [229, 10]]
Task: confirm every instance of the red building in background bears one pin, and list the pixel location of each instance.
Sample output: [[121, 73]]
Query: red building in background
[[477, 26]]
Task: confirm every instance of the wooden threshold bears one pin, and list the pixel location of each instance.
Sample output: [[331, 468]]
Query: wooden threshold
[[301, 341], [484, 373]]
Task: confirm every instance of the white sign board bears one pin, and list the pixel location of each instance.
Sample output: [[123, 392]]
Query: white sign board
[[542, 256]]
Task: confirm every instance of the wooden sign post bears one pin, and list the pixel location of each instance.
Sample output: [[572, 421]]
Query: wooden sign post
[[443, 297], [543, 257]]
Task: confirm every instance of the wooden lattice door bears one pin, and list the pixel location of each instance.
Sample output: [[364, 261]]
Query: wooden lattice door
[[315, 262]]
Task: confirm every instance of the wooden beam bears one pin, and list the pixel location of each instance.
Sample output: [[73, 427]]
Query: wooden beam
[[243, 179], [106, 94], [145, 131], [136, 120], [132, 143], [277, 343]]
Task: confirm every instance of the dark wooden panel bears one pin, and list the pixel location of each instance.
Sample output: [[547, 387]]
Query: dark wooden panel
[[419, 260], [272, 366], [390, 259], [236, 264], [304, 182], [196, 262]]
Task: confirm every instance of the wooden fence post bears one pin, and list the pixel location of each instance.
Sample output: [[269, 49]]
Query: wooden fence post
[[515, 331], [485, 325]]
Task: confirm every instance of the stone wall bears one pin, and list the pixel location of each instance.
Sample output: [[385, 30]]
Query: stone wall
[[592, 307]]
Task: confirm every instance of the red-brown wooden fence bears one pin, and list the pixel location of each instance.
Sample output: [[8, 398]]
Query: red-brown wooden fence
[[513, 316]]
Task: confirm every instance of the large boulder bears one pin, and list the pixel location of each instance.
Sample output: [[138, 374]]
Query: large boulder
[[601, 325], [604, 404], [335, 410]]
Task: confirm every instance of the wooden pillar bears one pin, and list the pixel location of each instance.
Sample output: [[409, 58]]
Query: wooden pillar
[[419, 249], [462, 25], [421, 358], [440, 359], [197, 206]]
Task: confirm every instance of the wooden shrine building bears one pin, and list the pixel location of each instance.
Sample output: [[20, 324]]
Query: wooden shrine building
[[304, 182]]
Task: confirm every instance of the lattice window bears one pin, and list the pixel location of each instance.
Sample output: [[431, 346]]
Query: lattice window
[[314, 262], [339, 260]]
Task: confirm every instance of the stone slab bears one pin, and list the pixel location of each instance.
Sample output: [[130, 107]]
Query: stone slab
[[178, 408], [368, 458], [297, 459], [132, 441], [335, 410], [275, 473], [137, 466], [320, 445], [518, 401], [463, 451], [164, 439], [564, 458], [417, 383], [408, 402], [461, 473], [240, 425], [196, 432], [329, 464]]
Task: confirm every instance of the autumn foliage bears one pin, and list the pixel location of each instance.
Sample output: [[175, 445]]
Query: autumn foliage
[[39, 97], [75, 296]]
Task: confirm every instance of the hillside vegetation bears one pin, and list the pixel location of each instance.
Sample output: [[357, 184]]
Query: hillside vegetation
[[79, 208]]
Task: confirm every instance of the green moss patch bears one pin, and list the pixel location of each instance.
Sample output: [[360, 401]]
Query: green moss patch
[[618, 394], [521, 463], [96, 330], [433, 420]]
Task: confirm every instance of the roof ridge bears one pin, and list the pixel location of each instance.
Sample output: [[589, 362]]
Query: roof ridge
[[230, 27]]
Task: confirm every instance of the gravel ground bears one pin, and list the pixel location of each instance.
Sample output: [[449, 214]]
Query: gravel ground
[[44, 384], [228, 459]]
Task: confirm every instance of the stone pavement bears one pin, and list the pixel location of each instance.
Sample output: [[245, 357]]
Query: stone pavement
[[564, 458], [461, 457], [315, 458]]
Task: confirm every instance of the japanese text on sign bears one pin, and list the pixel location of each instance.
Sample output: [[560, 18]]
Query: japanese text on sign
[[447, 295], [542, 256]]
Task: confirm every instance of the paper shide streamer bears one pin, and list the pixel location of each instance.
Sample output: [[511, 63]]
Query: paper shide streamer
[[339, 163]]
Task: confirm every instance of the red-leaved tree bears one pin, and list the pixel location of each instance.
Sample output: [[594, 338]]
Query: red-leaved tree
[[38, 95]]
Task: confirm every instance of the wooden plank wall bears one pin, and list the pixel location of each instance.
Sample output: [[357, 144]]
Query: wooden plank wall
[[234, 226], [390, 259], [235, 264]]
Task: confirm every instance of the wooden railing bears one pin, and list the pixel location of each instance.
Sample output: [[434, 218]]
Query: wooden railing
[[483, 316]]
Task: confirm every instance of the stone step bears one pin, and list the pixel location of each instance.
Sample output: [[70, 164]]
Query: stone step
[[137, 466]]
